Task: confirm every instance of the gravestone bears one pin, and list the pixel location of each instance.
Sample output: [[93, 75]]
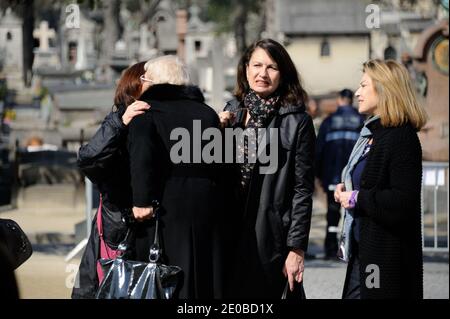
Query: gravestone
[[45, 57], [78, 44], [11, 48], [431, 64], [218, 83], [147, 48], [120, 59]]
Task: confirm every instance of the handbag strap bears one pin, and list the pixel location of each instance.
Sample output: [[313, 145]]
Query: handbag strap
[[99, 219], [286, 287], [155, 249], [123, 246], [105, 249]]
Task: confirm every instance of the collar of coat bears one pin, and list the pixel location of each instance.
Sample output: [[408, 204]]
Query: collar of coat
[[284, 110], [375, 125], [164, 92]]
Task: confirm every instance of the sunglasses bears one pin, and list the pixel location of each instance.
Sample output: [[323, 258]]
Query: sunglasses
[[144, 79]]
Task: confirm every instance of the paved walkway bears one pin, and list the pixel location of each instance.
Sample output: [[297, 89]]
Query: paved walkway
[[47, 275]]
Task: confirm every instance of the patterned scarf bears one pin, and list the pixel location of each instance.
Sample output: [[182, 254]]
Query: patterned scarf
[[261, 113]]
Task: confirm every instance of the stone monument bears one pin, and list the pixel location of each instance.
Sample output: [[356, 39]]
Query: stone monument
[[431, 63], [11, 49], [45, 57]]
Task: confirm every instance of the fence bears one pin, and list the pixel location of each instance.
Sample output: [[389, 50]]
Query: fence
[[435, 207]]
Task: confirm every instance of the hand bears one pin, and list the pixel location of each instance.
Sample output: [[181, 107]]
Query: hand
[[225, 118], [345, 200], [142, 213], [135, 108], [294, 267], [338, 191]]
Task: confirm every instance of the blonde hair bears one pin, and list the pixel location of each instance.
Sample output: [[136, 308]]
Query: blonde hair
[[397, 100], [167, 69]]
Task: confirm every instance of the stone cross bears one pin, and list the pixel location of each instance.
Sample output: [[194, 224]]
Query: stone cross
[[44, 34]]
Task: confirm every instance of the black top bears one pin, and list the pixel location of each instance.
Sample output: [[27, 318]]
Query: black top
[[356, 179]]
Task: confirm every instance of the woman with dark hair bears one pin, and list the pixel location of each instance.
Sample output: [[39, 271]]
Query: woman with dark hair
[[104, 160], [276, 206]]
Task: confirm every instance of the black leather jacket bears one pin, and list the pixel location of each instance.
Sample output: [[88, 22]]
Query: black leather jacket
[[281, 203], [104, 160]]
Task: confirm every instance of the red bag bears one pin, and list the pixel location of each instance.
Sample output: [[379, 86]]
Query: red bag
[[106, 252]]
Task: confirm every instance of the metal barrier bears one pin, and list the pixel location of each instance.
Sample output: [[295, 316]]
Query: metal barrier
[[89, 203], [435, 207]]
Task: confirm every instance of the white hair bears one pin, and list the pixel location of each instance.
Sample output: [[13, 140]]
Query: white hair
[[167, 69]]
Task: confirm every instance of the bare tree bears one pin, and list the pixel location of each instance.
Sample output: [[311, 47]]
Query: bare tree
[[111, 27], [28, 26], [233, 16], [148, 9]]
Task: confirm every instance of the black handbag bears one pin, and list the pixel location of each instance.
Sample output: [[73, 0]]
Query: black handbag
[[296, 294], [16, 244], [128, 279]]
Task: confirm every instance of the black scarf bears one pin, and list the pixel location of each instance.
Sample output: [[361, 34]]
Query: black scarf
[[261, 113]]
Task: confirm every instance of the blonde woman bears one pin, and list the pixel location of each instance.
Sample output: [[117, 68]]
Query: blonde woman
[[380, 189]]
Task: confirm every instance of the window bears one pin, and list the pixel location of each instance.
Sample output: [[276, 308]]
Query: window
[[72, 53], [198, 45], [8, 36], [390, 53], [325, 48]]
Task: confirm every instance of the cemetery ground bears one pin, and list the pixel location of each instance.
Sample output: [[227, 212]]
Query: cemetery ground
[[50, 226]]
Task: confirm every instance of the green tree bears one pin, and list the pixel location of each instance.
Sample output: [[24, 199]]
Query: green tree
[[233, 16]]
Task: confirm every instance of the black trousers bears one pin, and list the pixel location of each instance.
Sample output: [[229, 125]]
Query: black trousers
[[333, 217], [352, 286]]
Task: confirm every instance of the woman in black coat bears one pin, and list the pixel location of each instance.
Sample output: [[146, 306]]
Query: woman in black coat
[[167, 166], [276, 204], [382, 189], [104, 160]]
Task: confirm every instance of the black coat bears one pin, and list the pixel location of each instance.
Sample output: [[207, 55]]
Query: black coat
[[104, 160], [389, 204], [190, 194], [277, 216]]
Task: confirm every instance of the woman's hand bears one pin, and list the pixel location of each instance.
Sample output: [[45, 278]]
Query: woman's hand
[[143, 213], [294, 267], [136, 108], [225, 118], [338, 191], [345, 200]]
